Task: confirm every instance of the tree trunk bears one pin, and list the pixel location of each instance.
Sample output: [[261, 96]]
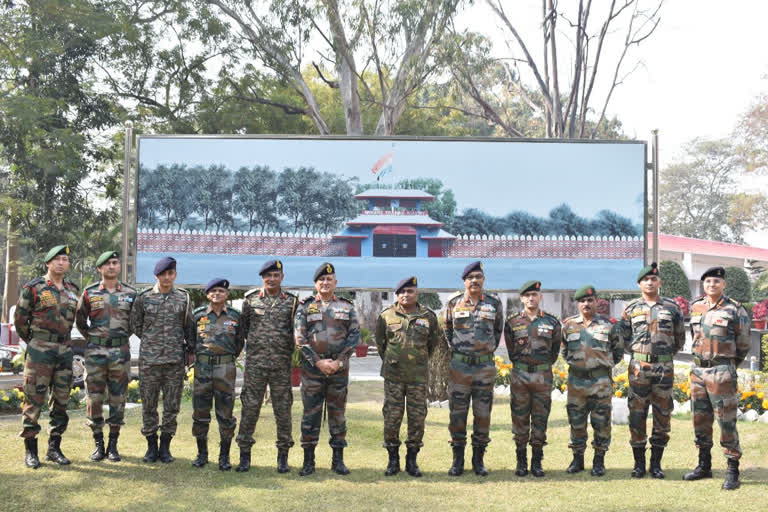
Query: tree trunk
[[11, 290]]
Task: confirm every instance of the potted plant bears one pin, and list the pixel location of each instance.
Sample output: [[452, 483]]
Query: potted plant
[[361, 350], [296, 367], [759, 314]]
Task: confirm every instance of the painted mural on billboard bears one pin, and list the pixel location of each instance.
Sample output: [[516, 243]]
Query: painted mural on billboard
[[566, 213]]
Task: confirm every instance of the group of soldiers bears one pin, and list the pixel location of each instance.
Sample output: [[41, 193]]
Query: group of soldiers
[[325, 328]]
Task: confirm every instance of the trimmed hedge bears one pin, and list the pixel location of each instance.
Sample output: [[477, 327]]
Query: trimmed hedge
[[674, 282], [737, 284]]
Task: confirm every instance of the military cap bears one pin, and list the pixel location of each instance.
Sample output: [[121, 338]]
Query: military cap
[[650, 270], [323, 270], [714, 272], [585, 291], [217, 282], [59, 249], [164, 264], [475, 265], [405, 283], [530, 286], [106, 256], [270, 265]]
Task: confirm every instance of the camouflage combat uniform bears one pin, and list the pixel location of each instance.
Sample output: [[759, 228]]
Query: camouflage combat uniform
[[103, 318], [473, 331], [163, 321], [533, 346], [43, 318], [268, 327], [325, 330], [721, 341], [591, 351], [405, 341], [217, 342]]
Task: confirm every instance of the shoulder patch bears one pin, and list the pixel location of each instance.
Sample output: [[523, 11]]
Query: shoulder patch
[[547, 313], [73, 285], [126, 285], [233, 312], [698, 299], [308, 299], [733, 301], [455, 295], [493, 296], [572, 317], [94, 285], [251, 292], [145, 290], [199, 309], [344, 299], [35, 282], [289, 294]]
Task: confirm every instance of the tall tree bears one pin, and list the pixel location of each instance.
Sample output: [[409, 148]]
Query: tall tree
[[256, 196]]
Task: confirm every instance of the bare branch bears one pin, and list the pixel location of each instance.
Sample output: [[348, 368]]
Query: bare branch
[[333, 84]]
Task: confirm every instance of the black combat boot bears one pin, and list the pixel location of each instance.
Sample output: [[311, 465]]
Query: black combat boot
[[224, 464], [656, 453], [393, 466], [337, 462], [309, 461], [112, 454], [639, 470], [151, 455], [202, 452], [164, 451], [457, 467], [477, 460], [30, 457], [732, 476], [577, 464], [537, 454], [598, 464], [282, 460], [54, 452], [522, 460], [245, 461], [98, 454], [704, 469], [410, 462]]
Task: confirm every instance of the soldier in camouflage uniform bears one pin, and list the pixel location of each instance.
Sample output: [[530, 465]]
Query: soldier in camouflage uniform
[[162, 318], [103, 318], [406, 335], [653, 331], [43, 319], [217, 342], [267, 321], [721, 340], [474, 321], [326, 330], [592, 347], [533, 342]]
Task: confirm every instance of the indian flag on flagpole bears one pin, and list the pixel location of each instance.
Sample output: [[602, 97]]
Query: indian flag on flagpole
[[383, 166]]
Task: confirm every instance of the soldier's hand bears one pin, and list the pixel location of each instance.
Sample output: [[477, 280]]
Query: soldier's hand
[[327, 366], [190, 359]]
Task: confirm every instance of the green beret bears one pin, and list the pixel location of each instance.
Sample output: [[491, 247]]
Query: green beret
[[650, 270], [105, 256], [59, 249], [530, 286], [585, 291]]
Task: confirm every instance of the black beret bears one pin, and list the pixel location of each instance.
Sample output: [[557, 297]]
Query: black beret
[[323, 270], [585, 291], [164, 264], [105, 257], [405, 283], [475, 265], [270, 265], [530, 286], [217, 281], [714, 272], [650, 270], [59, 249]]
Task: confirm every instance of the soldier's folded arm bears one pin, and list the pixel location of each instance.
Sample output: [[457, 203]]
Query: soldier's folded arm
[[436, 336], [448, 325], [300, 335], [352, 339], [190, 326], [137, 316], [245, 321], [556, 336], [381, 336], [240, 333], [563, 344], [679, 331], [508, 336], [81, 314], [617, 345], [743, 337], [498, 326], [625, 331], [23, 314]]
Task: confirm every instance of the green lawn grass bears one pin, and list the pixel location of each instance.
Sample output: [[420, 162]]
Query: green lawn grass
[[133, 485]]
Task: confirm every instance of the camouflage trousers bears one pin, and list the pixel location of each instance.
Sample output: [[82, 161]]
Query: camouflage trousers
[[168, 378], [214, 382], [714, 394], [650, 384], [470, 382], [530, 399], [589, 397], [252, 396], [318, 389], [397, 398], [48, 366], [107, 371]]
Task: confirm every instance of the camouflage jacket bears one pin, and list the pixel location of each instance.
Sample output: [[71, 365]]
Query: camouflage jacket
[[268, 326], [165, 325], [326, 329], [217, 334], [720, 330], [534, 341], [596, 345], [103, 313], [474, 329], [405, 342], [42, 306], [657, 329]]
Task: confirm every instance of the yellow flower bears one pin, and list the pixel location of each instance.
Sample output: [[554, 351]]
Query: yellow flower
[[134, 384], [6, 398], [562, 388], [749, 406], [562, 375], [498, 359], [504, 372], [619, 394], [19, 394], [760, 395], [765, 404], [139, 401]]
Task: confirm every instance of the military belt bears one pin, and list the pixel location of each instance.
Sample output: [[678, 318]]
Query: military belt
[[531, 368], [589, 374], [108, 342], [652, 358], [48, 336], [487, 358], [718, 361], [220, 359]]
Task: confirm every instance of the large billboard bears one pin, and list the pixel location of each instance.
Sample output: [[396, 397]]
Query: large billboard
[[564, 212]]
